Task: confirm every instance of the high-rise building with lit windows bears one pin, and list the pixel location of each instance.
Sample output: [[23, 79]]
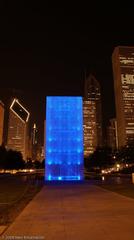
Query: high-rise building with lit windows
[[112, 136], [18, 128], [92, 116], [123, 71], [34, 142], [1, 121]]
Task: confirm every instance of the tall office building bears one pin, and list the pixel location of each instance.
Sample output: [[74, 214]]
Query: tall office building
[[92, 116], [1, 121], [123, 71], [29, 147], [112, 136], [34, 142], [34, 134], [18, 128]]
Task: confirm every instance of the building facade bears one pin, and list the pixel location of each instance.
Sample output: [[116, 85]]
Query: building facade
[[1, 121], [112, 136], [18, 128], [34, 142], [92, 122], [123, 71]]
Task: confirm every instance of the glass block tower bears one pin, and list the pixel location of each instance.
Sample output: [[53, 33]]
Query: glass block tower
[[64, 139]]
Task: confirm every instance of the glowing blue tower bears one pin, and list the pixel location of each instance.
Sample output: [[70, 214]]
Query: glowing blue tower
[[64, 139]]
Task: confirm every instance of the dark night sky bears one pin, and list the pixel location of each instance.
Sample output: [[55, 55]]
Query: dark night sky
[[47, 49]]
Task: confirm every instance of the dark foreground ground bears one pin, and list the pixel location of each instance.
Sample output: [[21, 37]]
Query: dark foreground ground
[[74, 211], [16, 191]]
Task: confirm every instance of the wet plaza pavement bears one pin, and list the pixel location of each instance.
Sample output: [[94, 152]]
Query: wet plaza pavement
[[75, 211]]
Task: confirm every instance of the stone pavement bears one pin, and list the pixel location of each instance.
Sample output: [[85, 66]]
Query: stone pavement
[[74, 212]]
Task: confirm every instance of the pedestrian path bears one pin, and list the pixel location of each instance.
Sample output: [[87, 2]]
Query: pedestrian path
[[75, 212]]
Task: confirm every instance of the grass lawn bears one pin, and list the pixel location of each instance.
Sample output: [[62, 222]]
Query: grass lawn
[[15, 193], [123, 189]]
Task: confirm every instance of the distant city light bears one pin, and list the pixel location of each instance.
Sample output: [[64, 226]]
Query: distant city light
[[118, 165], [103, 178]]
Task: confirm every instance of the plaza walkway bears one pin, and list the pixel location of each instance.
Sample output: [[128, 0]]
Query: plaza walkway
[[75, 212]]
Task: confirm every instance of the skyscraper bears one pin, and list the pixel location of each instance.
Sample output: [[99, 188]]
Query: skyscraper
[[123, 71], [34, 142], [112, 136], [1, 121], [18, 128], [34, 134], [92, 115]]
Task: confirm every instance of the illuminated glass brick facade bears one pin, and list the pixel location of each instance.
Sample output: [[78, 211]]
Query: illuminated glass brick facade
[[123, 70], [64, 139]]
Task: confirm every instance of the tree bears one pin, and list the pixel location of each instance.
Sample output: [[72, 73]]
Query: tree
[[43, 163], [14, 160], [126, 154], [102, 157], [37, 164], [3, 155], [29, 164]]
